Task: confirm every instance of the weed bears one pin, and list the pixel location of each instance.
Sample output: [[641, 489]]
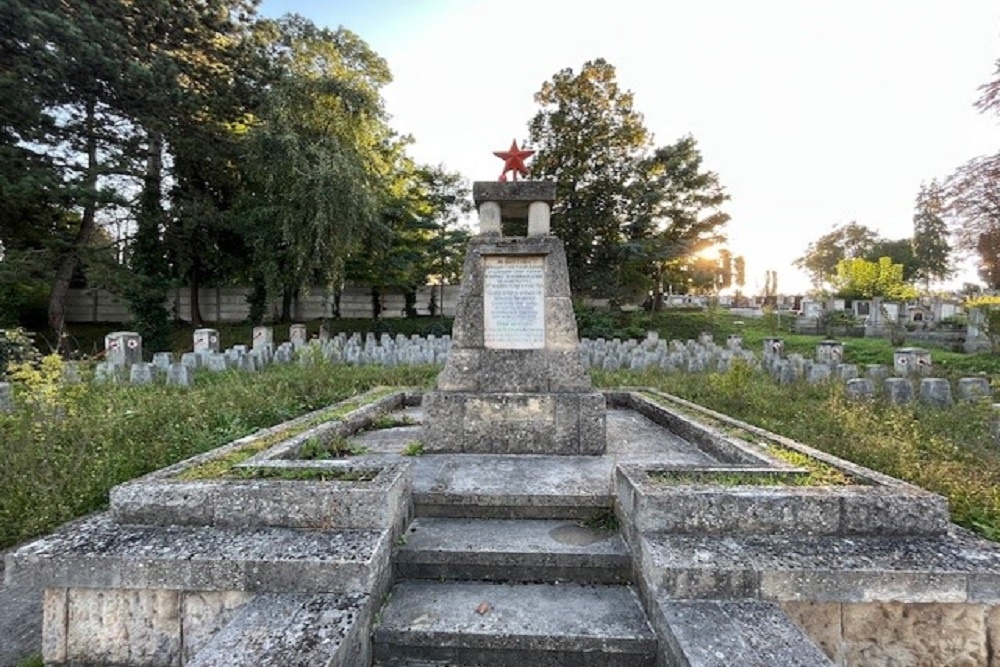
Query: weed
[[415, 448], [603, 519]]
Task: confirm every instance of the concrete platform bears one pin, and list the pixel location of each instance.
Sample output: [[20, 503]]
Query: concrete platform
[[743, 633], [501, 550], [514, 625], [956, 568], [275, 630], [97, 553]]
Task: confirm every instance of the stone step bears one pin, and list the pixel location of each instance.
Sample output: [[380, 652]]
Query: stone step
[[512, 550], [511, 487], [98, 553], [954, 568], [748, 633], [522, 625], [279, 630]]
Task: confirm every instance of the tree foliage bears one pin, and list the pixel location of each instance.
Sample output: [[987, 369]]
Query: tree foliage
[[931, 249], [627, 211], [822, 256], [859, 278]]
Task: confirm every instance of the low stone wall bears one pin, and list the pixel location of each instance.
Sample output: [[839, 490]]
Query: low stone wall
[[229, 304], [895, 633]]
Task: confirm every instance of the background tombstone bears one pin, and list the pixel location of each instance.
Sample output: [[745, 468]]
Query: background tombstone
[[206, 340], [829, 352], [123, 348], [298, 335], [6, 397], [262, 337], [911, 361]]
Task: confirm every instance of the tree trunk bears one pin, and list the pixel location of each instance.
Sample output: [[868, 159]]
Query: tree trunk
[[196, 318], [70, 258], [286, 304], [376, 302]]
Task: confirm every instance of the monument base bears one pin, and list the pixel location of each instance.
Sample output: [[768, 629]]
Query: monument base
[[514, 423]]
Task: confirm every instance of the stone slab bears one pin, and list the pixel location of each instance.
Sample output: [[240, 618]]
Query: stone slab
[[747, 510], [276, 630], [821, 568], [97, 553], [514, 423], [724, 634], [379, 503], [484, 486], [512, 550], [520, 624]]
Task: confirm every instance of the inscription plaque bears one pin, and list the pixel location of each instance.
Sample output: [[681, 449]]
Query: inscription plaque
[[514, 302]]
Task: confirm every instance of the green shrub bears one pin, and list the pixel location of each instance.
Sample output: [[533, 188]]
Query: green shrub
[[54, 467], [16, 347]]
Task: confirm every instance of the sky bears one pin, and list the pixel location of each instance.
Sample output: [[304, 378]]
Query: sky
[[812, 113]]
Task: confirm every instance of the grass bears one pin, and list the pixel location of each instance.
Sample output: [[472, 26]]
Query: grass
[[415, 448], [60, 456], [314, 448], [946, 451]]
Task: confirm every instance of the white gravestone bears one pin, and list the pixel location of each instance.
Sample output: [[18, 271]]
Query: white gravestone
[[206, 340], [123, 348], [514, 302]]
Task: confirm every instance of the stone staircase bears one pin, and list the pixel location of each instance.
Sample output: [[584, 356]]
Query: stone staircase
[[488, 591]]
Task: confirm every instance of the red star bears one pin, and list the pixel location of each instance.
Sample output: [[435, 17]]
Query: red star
[[513, 161]]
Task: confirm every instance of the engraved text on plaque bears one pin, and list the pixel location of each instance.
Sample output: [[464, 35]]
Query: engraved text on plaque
[[514, 302]]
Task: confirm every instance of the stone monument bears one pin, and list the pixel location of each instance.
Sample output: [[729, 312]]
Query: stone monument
[[514, 383]]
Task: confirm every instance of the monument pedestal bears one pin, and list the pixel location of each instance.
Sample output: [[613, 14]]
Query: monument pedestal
[[514, 383]]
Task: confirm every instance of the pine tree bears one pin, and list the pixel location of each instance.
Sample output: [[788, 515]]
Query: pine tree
[[931, 250]]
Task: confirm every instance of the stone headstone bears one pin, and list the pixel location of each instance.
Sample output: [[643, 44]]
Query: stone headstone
[[847, 371], [817, 373], [876, 371], [774, 348], [974, 388], [6, 397], [123, 348], [206, 340], [298, 335], [162, 360], [829, 352], [107, 372], [180, 375], [859, 389], [215, 362], [191, 359], [898, 391], [911, 361], [141, 373], [935, 392], [734, 342], [262, 336]]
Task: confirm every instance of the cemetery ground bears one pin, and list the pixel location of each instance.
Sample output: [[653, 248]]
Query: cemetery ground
[[67, 445]]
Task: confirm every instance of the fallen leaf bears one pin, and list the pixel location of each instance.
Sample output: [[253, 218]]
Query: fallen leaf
[[483, 608]]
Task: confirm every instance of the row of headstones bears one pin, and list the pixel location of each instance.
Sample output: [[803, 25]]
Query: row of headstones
[[123, 353], [653, 353]]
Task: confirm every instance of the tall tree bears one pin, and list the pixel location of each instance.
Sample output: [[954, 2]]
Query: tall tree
[[677, 212], [900, 251], [589, 139], [318, 158], [972, 196], [739, 272], [931, 250], [844, 242]]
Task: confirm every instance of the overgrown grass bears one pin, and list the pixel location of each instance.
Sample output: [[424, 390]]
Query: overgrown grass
[[60, 456], [947, 451]]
